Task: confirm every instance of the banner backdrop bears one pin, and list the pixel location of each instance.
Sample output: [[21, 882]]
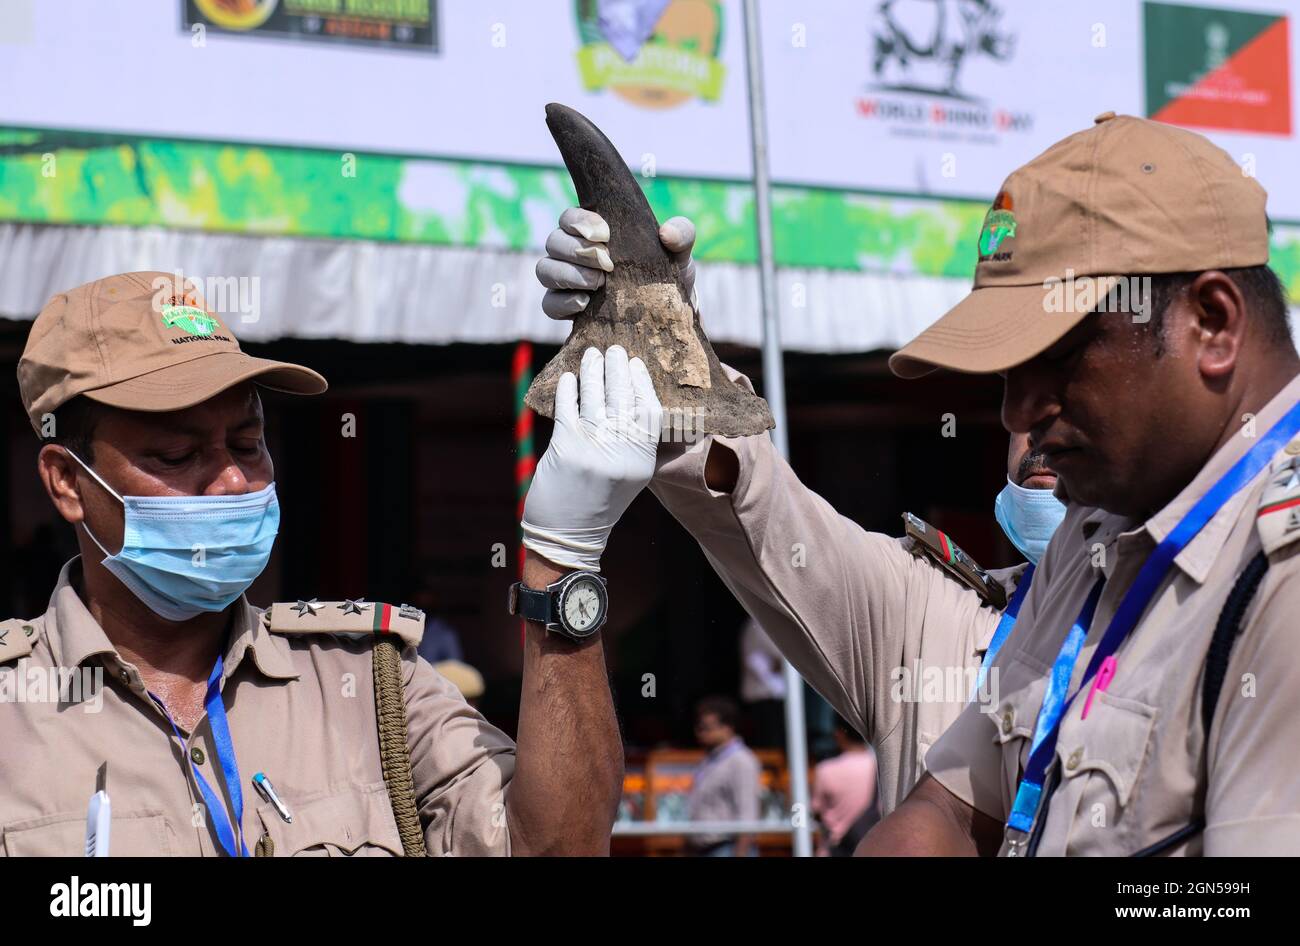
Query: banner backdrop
[[420, 123], [480, 93], [925, 97], [947, 96]]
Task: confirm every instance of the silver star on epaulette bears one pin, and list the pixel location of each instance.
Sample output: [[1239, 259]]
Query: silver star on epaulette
[[409, 611], [1287, 477], [307, 607], [354, 607]]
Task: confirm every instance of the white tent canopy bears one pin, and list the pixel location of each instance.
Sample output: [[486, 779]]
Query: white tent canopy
[[422, 294]]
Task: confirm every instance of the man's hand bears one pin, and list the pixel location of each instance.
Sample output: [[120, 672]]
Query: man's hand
[[575, 265], [601, 454], [577, 260]]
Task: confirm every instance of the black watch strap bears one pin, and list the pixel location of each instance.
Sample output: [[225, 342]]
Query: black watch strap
[[532, 605]]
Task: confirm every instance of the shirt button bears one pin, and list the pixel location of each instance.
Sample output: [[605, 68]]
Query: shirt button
[[1007, 719], [1075, 758], [197, 755], [126, 676]]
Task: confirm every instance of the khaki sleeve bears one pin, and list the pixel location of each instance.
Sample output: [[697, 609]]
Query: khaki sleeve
[[832, 596], [970, 759], [1252, 804], [968, 763], [461, 765]]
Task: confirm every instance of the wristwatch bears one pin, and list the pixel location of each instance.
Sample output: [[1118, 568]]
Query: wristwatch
[[574, 607]]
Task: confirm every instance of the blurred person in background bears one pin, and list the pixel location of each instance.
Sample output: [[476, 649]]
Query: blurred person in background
[[725, 786], [441, 641], [465, 678], [762, 685], [844, 797]]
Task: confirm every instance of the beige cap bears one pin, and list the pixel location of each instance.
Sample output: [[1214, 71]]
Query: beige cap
[[1128, 196], [468, 680], [141, 342]]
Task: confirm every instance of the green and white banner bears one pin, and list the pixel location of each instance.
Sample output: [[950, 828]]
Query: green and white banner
[[937, 98], [420, 123], [77, 178]]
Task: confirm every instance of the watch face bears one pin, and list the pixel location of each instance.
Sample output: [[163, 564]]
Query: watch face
[[583, 605]]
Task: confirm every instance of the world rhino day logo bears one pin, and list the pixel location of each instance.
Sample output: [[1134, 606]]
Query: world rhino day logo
[[917, 50], [921, 45]]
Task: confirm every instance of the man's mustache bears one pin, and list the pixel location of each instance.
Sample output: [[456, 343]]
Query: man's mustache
[[1032, 463]]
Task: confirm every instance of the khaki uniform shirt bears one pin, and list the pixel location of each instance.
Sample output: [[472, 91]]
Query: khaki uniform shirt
[[301, 710], [1141, 765], [888, 638]]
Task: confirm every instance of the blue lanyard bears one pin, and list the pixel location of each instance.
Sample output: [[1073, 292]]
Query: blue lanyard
[[1003, 630], [1025, 808], [1054, 705], [229, 767]]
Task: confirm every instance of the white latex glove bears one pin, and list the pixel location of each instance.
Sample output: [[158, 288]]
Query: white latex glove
[[577, 260], [602, 453]]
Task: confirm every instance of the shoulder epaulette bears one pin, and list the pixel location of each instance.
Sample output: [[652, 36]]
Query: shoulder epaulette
[[17, 637], [1278, 516], [346, 617], [935, 544]]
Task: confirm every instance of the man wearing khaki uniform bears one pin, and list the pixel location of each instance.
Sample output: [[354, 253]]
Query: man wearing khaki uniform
[[1171, 419], [218, 728], [889, 637], [863, 618]]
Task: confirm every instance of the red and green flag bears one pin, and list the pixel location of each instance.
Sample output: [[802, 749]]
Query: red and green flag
[[1220, 69]]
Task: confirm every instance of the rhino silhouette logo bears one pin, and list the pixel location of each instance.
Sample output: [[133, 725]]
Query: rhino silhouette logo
[[920, 45]]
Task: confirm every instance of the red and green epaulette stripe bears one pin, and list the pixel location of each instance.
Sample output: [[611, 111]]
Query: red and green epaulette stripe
[[946, 546], [383, 618], [1278, 506]]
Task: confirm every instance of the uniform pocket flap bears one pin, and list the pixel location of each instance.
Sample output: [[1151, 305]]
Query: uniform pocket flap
[[1112, 740], [350, 821], [131, 834]]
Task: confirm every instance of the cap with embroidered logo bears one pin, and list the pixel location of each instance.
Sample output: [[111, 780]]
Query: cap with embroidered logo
[[1129, 196], [140, 342]]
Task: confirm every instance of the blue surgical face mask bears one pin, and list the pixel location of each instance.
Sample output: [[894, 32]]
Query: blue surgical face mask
[[1028, 517], [186, 555]]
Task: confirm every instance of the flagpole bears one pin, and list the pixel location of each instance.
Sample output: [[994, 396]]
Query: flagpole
[[796, 747]]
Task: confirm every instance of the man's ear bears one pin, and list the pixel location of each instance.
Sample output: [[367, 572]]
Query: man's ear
[[58, 473], [1219, 320]]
